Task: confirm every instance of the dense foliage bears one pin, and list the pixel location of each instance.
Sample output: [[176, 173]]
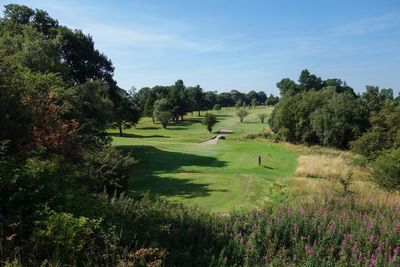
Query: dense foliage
[[57, 98], [326, 112], [62, 199], [146, 231], [386, 169]]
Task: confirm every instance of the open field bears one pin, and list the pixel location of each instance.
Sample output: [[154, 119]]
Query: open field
[[173, 163]]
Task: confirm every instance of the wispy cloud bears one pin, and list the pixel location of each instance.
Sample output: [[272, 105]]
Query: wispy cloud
[[144, 37], [368, 25]]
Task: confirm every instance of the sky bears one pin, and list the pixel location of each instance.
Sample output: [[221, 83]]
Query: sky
[[238, 44]]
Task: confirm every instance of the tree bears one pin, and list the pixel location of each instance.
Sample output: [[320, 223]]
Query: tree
[[387, 93], [225, 100], [242, 113], [339, 120], [126, 112], [210, 120], [210, 100], [149, 104], [18, 13], [372, 98], [89, 104], [261, 97], [386, 169], [177, 97], [287, 87], [196, 98], [383, 134], [251, 95], [261, 116], [238, 104], [162, 112], [272, 100], [309, 81], [238, 96], [253, 103]]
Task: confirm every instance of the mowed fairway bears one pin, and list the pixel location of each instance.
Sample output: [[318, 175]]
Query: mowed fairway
[[173, 163]]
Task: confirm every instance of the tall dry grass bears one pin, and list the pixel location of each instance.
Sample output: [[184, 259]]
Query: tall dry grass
[[321, 166], [318, 174]]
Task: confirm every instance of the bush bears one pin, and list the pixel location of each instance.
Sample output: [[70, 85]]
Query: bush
[[384, 133], [106, 168], [28, 185], [66, 237], [386, 169], [209, 120], [242, 113], [266, 134], [261, 116]]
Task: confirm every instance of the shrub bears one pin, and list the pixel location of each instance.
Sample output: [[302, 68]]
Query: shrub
[[107, 169], [27, 185], [209, 120], [386, 169], [162, 111], [264, 134], [238, 104], [253, 103], [242, 113], [164, 117], [384, 132], [261, 116], [66, 237]]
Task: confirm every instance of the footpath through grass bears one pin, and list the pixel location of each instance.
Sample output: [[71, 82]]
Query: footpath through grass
[[173, 163]]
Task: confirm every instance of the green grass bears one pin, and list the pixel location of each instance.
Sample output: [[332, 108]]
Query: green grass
[[173, 163]]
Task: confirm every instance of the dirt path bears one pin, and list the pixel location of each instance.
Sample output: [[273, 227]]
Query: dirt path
[[215, 139]]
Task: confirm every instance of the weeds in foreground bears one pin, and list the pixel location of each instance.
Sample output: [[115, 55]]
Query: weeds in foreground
[[150, 232]]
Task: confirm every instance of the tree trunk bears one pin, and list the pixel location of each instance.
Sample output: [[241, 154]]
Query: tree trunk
[[153, 120], [181, 117], [120, 129], [199, 112]]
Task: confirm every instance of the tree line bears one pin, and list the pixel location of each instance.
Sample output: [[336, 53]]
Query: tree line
[[165, 103], [329, 113]]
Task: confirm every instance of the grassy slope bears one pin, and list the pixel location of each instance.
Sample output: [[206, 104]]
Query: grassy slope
[[174, 164]]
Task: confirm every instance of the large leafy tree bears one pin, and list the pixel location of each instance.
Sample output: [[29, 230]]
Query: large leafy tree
[[309, 81], [126, 112], [177, 97], [383, 134], [287, 87], [340, 120], [162, 111], [196, 98]]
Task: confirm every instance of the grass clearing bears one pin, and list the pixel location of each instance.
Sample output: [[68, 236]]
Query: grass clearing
[[174, 164]]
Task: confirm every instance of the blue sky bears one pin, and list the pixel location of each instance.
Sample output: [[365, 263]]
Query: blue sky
[[244, 45]]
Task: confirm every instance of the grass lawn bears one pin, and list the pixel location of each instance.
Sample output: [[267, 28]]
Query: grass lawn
[[173, 163]]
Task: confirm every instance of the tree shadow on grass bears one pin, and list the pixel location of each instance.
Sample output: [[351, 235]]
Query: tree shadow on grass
[[224, 115], [149, 128], [251, 122], [153, 162], [129, 135]]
